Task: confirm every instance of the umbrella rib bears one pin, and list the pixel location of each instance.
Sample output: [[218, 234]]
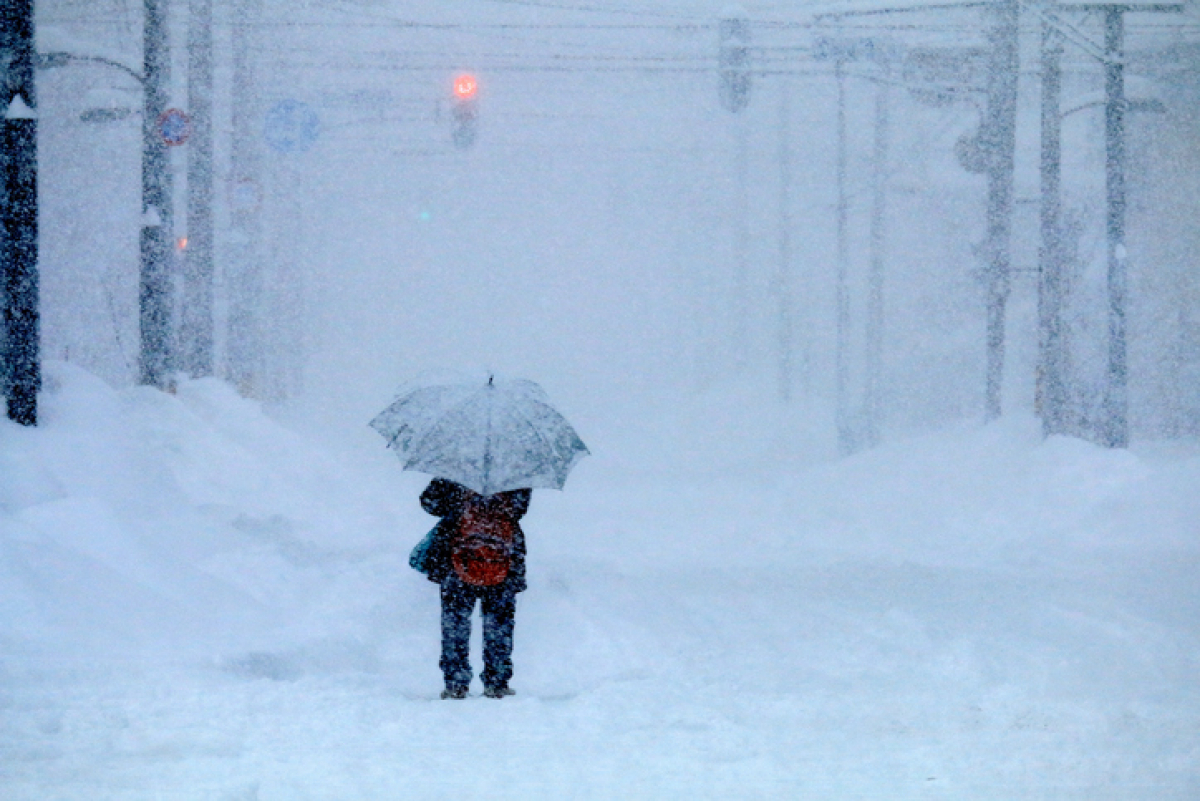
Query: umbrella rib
[[395, 409], [538, 432], [433, 429], [395, 437], [557, 414], [392, 439]]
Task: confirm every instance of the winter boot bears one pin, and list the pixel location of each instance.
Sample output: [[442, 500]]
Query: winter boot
[[455, 691], [498, 691]]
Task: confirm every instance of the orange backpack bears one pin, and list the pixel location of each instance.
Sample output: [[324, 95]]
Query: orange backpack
[[482, 545]]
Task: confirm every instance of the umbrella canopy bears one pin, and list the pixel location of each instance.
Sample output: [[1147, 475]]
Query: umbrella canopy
[[491, 437]]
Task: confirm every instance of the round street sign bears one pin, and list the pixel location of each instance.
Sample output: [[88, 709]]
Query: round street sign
[[245, 195], [174, 127], [291, 126]]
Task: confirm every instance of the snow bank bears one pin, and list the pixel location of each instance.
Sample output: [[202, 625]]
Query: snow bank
[[144, 519]]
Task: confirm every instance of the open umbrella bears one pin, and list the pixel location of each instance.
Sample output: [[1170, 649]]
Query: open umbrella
[[491, 437]]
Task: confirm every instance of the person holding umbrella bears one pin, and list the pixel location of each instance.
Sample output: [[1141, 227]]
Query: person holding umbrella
[[477, 552], [488, 446]]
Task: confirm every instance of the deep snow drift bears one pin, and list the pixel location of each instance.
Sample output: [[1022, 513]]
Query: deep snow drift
[[198, 602]]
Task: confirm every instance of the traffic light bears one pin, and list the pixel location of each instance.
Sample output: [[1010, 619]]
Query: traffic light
[[465, 113], [733, 30]]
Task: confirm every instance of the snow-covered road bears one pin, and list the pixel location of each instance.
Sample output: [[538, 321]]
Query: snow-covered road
[[198, 603]]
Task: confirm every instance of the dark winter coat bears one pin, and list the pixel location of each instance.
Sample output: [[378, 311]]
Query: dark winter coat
[[445, 499]]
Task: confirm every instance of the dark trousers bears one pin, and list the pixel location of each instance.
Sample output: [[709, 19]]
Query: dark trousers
[[498, 605]]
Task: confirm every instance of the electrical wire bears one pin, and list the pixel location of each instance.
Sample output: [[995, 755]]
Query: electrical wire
[[589, 8]]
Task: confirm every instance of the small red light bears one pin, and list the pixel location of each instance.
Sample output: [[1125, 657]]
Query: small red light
[[465, 87]]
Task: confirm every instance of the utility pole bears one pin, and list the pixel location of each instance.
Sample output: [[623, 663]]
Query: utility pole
[[733, 92], [196, 330], [22, 373], [154, 285], [245, 345], [874, 333], [1114, 428], [1051, 378], [1116, 392], [842, 301], [741, 245], [783, 277], [853, 431], [998, 141]]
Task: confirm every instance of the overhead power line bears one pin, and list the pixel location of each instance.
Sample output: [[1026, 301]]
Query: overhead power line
[[592, 9], [916, 9]]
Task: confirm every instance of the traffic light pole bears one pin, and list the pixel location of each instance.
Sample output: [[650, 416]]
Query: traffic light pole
[[154, 293], [18, 154], [196, 329], [245, 342]]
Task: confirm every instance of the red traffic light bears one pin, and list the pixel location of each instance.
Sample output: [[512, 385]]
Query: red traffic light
[[465, 87]]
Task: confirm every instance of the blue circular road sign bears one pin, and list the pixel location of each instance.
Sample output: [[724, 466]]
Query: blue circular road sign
[[291, 126]]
